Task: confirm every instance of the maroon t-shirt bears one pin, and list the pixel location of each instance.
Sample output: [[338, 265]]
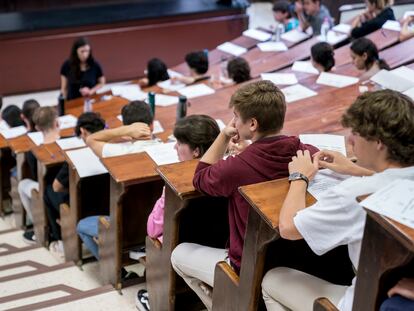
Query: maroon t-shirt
[[265, 159]]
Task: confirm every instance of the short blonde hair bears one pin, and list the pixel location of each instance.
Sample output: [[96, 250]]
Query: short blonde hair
[[381, 4], [44, 118]]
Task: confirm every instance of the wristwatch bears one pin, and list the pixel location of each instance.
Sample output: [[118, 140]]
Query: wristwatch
[[298, 176]]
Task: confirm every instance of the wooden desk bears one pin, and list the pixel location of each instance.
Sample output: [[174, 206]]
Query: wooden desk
[[134, 188], [49, 158], [400, 54], [387, 254], [188, 217]]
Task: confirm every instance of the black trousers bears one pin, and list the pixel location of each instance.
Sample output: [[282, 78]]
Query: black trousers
[[52, 201]]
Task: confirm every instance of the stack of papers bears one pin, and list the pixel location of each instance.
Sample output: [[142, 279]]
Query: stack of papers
[[14, 132], [343, 28], [4, 125], [295, 36], [280, 78], [70, 143], [323, 181], [257, 34], [163, 153], [392, 81], [232, 49], [336, 80], [297, 92], [396, 201], [67, 121], [129, 91], [196, 90], [36, 137], [325, 142], [333, 37], [86, 162], [304, 66], [272, 46], [392, 25], [170, 86]]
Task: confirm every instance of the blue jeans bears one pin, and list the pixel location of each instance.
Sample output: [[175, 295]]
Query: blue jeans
[[88, 229], [397, 303]]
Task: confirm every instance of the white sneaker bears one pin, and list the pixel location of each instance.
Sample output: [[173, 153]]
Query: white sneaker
[[56, 248]]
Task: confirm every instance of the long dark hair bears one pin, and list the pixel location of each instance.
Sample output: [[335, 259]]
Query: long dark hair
[[157, 71], [74, 61], [365, 45], [323, 54]]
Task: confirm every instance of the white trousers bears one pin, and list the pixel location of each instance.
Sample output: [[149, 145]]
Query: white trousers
[[196, 264], [25, 188], [288, 289]]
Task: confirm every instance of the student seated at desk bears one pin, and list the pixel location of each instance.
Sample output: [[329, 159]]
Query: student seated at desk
[[194, 135], [259, 111], [133, 137], [28, 110], [156, 72], [81, 75], [12, 116], [382, 125], [45, 121], [375, 15], [238, 70], [407, 28], [401, 297], [322, 56], [58, 192], [312, 13], [198, 64], [283, 12], [364, 54]]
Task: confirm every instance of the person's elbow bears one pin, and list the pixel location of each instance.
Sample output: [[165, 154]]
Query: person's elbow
[[288, 230]]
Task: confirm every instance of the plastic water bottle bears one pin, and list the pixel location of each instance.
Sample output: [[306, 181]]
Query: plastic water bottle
[[181, 108], [87, 105], [223, 67], [325, 29], [280, 29], [151, 102]]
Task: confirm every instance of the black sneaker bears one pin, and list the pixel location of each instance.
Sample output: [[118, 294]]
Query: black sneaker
[[29, 237], [141, 300]]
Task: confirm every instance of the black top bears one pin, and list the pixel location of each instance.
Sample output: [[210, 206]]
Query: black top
[[63, 175], [88, 78], [32, 163], [373, 24]]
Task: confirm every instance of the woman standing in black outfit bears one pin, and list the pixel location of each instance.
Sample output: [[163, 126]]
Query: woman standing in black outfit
[[81, 75]]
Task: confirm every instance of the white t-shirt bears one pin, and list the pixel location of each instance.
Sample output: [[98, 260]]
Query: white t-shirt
[[337, 218], [113, 150]]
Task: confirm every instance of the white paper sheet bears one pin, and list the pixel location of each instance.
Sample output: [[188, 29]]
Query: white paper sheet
[[170, 86], [392, 81], [333, 37], [323, 181], [220, 124], [232, 49], [129, 91], [404, 72], [280, 78], [4, 125], [14, 132], [408, 13], [162, 100], [392, 25], [297, 92], [173, 73], [304, 66], [70, 143], [257, 34], [36, 137], [343, 28], [336, 80], [196, 90], [86, 162], [108, 87], [410, 93], [163, 153], [295, 36], [325, 142], [396, 201], [67, 121], [272, 46]]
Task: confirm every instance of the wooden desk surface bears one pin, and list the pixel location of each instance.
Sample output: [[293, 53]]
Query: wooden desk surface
[[49, 154], [3, 142], [21, 144], [179, 176], [131, 168], [400, 54], [267, 199]]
